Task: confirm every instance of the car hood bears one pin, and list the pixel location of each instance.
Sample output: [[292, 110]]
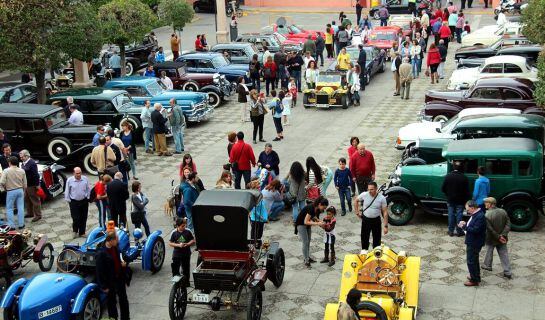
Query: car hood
[[196, 97], [463, 76], [423, 130], [437, 95], [66, 128], [472, 49], [234, 68]]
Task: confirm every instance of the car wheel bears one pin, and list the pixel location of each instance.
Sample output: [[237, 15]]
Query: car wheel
[[522, 213], [276, 268], [129, 68], [344, 102], [376, 15], [92, 309], [413, 162], [214, 99], [400, 209], [46, 257], [440, 118], [177, 301], [374, 307], [58, 148], [382, 67], [190, 86], [60, 178], [12, 312], [89, 167], [255, 303], [157, 255]]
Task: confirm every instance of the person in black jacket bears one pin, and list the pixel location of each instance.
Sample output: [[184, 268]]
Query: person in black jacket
[[33, 202], [320, 46], [255, 73], [118, 193], [159, 130], [269, 159], [111, 276], [456, 188], [443, 52], [243, 93], [475, 230], [6, 154], [362, 58], [295, 62]]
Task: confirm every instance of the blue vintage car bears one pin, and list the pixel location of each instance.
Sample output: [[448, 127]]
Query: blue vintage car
[[214, 62], [194, 104], [73, 293]]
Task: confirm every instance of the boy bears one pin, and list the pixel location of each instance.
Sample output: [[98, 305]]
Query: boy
[[181, 240], [329, 237], [342, 179]]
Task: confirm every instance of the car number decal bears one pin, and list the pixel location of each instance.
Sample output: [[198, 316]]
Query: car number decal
[[48, 312]]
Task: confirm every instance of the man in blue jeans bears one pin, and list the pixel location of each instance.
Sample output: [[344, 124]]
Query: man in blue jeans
[[14, 181], [456, 188], [177, 122]]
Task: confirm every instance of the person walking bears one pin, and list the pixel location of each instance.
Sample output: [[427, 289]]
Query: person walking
[[255, 73], [269, 74], [76, 193], [159, 131], [257, 114], [497, 231], [181, 240], [353, 79], [342, 180], [309, 46], [308, 217], [452, 19], [102, 156], [359, 9], [415, 58], [266, 53], [118, 194], [273, 196], [269, 159], [370, 206], [433, 60], [175, 46], [443, 53], [295, 62], [436, 26], [139, 201], [242, 159], [460, 22], [475, 230], [101, 199], [383, 15], [297, 190], [445, 34], [13, 181], [456, 189], [481, 189], [243, 93], [190, 193], [280, 59], [147, 125], [33, 203], [320, 46], [405, 77], [396, 63], [362, 167], [129, 150], [362, 62], [177, 123]]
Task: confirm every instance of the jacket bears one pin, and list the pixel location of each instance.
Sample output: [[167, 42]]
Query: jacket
[[442, 52], [309, 46], [177, 117], [272, 67], [243, 92], [243, 154], [254, 67], [145, 117], [362, 166], [190, 194], [279, 58], [105, 269], [481, 189], [100, 161], [297, 190], [31, 171], [476, 230], [174, 43], [456, 187], [497, 224], [137, 204], [433, 57], [270, 159], [444, 32], [159, 122], [320, 44], [405, 72], [118, 194], [362, 58]]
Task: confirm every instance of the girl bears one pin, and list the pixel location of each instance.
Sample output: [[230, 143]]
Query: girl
[[415, 52], [187, 161], [460, 27], [353, 79], [329, 236], [286, 102], [225, 181], [257, 114], [353, 148], [198, 182], [311, 75], [130, 148], [139, 202], [307, 218], [405, 51], [329, 41], [433, 61], [292, 87], [102, 200], [297, 191], [317, 175], [275, 105], [273, 196]]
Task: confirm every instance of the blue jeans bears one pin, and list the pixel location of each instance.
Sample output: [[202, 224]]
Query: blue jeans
[[178, 135], [455, 213], [383, 22], [296, 74], [276, 208], [345, 194], [148, 138], [296, 208], [189, 218], [256, 84], [130, 160], [472, 255], [16, 197], [415, 63], [327, 181], [103, 212]]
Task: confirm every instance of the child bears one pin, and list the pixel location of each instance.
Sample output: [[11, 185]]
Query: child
[[342, 180], [292, 87], [181, 240], [467, 27], [258, 216], [286, 102], [329, 236]]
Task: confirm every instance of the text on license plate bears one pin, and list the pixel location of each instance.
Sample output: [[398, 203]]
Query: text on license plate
[[49, 312], [311, 100], [201, 297]]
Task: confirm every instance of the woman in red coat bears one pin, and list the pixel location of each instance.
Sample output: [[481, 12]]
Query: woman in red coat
[[433, 61], [445, 33], [198, 44]]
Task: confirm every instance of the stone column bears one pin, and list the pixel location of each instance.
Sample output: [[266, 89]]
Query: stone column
[[221, 22], [82, 74]]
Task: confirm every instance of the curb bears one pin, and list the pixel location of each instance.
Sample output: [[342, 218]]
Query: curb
[[333, 11]]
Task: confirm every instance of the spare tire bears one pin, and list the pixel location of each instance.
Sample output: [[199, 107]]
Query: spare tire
[[413, 162], [373, 307]]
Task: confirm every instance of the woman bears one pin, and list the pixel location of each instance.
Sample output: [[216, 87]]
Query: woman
[[329, 41], [187, 161], [232, 138], [343, 60], [225, 181], [258, 216], [433, 61], [353, 148], [445, 15], [139, 202], [319, 176], [255, 73], [257, 114], [353, 79], [308, 217], [234, 28], [243, 93], [416, 51], [445, 34], [276, 107], [102, 199], [343, 37], [311, 74], [198, 44], [129, 151], [297, 190], [452, 19], [198, 182], [393, 50], [405, 50], [460, 22], [269, 74], [273, 196]]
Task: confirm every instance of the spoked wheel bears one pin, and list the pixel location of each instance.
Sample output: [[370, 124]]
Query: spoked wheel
[[214, 99], [400, 209], [92, 309], [522, 213], [276, 268], [157, 255], [255, 304], [46, 257], [177, 301]]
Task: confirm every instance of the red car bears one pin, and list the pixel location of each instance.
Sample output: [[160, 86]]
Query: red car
[[293, 32], [383, 37]]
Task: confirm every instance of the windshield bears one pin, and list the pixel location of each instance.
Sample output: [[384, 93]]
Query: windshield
[[280, 38], [55, 118], [447, 126], [296, 29], [219, 61], [154, 88], [329, 78], [354, 53], [382, 36], [122, 99], [2, 94]]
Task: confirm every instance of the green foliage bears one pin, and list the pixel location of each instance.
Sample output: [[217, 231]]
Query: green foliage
[[539, 92], [125, 21], [533, 18], [175, 13]]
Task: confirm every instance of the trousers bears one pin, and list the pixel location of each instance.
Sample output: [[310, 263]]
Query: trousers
[[15, 198], [368, 226], [160, 143], [304, 233], [504, 257], [118, 290], [148, 138], [472, 256], [296, 207], [79, 210], [258, 126], [405, 89], [178, 135], [344, 195], [183, 262], [103, 212], [455, 213], [238, 177], [32, 202]]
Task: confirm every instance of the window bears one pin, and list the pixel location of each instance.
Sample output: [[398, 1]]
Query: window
[[28, 90], [498, 167], [55, 118], [8, 125], [190, 63], [204, 64], [512, 68], [467, 165], [236, 53], [486, 93], [493, 68], [511, 95], [136, 91], [102, 106], [15, 95], [525, 168], [31, 125], [171, 73]]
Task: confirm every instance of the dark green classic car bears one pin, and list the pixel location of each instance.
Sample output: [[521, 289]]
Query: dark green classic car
[[513, 165]]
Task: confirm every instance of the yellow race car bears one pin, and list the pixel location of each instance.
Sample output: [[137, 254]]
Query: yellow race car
[[331, 91], [388, 282]]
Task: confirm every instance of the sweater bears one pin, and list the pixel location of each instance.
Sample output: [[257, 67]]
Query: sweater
[[342, 178], [497, 224], [444, 32], [481, 189], [362, 166], [270, 159], [243, 154], [297, 190], [433, 57]]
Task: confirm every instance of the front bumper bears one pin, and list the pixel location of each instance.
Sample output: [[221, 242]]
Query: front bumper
[[323, 101], [421, 116], [201, 113]]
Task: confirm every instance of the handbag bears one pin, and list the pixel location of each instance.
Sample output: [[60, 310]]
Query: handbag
[[313, 193], [427, 73], [111, 171], [234, 165]]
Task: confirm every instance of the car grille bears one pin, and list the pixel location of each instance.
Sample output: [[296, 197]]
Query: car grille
[[322, 99], [201, 106]]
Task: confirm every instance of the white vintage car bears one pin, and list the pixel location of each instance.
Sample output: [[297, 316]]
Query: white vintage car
[[498, 66], [488, 35], [436, 130]]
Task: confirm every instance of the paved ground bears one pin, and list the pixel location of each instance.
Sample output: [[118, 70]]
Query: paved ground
[[325, 134]]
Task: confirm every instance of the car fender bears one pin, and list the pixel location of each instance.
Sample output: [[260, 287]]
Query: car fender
[[258, 278], [437, 108], [398, 189], [36, 255], [211, 87], [76, 157], [331, 311], [94, 234], [148, 247], [9, 296], [79, 302], [520, 195], [534, 110]]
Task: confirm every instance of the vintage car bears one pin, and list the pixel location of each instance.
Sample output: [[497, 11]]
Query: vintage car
[[136, 54], [73, 294], [375, 60], [397, 7], [194, 104], [525, 48], [499, 66], [387, 280], [215, 85], [213, 62], [18, 92], [239, 52], [18, 248], [530, 52], [273, 41], [405, 22], [486, 93], [229, 263], [383, 37], [513, 165], [331, 91], [291, 31], [206, 5], [488, 35]]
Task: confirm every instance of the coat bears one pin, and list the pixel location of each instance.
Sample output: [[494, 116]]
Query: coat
[[105, 270], [456, 187], [31, 171], [297, 190], [118, 194], [320, 44], [476, 230], [190, 194], [270, 159], [497, 224], [405, 72], [243, 154], [434, 57], [309, 46], [159, 122]]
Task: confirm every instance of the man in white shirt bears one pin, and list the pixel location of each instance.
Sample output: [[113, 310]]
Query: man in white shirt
[[266, 54], [166, 81], [373, 206], [76, 117], [307, 59]]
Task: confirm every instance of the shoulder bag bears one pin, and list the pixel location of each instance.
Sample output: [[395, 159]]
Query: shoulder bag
[[234, 165], [111, 171]]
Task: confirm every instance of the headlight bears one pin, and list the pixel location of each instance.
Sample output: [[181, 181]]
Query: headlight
[[247, 74]]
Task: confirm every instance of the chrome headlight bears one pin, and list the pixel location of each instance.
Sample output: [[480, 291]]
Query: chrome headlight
[[216, 77], [247, 74]]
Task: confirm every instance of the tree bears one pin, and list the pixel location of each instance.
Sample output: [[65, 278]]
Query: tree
[[532, 18], [124, 22], [175, 13], [39, 34]]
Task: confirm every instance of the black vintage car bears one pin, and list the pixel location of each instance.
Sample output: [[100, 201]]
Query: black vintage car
[[476, 57], [136, 54], [18, 92], [482, 51], [239, 52]]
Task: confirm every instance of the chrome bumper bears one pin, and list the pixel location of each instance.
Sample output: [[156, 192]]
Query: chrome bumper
[[201, 115], [421, 116]]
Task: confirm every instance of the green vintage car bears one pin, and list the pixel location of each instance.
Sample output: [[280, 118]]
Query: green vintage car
[[513, 165]]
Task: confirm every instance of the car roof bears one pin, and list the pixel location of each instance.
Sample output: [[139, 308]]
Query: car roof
[[19, 110], [493, 147], [231, 45], [134, 79], [89, 93], [169, 64], [522, 47], [505, 82], [386, 28], [200, 55], [478, 111], [502, 120], [506, 58], [12, 84]]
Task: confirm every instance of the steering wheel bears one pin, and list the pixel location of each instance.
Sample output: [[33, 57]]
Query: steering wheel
[[5, 228], [386, 277], [68, 261]]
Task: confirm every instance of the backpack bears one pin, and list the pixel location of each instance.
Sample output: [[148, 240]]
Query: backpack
[[253, 67], [278, 108]]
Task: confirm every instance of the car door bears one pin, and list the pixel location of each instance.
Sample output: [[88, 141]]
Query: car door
[[14, 95], [12, 135], [500, 173], [205, 66], [484, 97], [514, 98], [237, 56], [33, 134], [30, 94], [258, 41]]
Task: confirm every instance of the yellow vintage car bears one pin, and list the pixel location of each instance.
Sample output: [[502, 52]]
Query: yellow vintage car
[[331, 91], [387, 280]]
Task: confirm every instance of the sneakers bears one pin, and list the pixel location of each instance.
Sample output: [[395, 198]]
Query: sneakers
[[277, 139], [307, 264], [343, 213], [324, 260]]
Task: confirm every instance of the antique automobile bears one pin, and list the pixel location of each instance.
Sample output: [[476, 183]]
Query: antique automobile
[[383, 37], [52, 180], [485, 93], [404, 22], [513, 165], [136, 54], [18, 248], [398, 7], [194, 104], [238, 52], [43, 130], [18, 92], [73, 293], [229, 265], [525, 49], [273, 41], [387, 280], [331, 91], [528, 51], [375, 60], [63, 80], [498, 66], [215, 85], [488, 35], [291, 31], [213, 62]]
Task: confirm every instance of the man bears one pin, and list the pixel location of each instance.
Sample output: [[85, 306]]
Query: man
[[102, 157], [497, 230], [175, 46], [6, 154], [190, 193], [397, 63], [115, 63], [362, 167], [76, 117], [111, 276], [280, 60], [359, 8], [320, 46], [362, 58], [151, 58], [77, 195], [110, 144], [456, 189], [118, 193], [475, 230], [294, 66], [32, 200], [443, 52], [98, 134], [269, 159], [405, 78], [266, 55], [159, 131], [383, 15], [166, 81], [309, 46], [177, 122], [373, 205], [242, 159], [13, 181], [149, 72], [435, 29], [160, 56], [147, 125], [481, 188]]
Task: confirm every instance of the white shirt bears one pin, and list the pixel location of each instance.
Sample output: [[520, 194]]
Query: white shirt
[[167, 82], [76, 118], [266, 55], [307, 60]]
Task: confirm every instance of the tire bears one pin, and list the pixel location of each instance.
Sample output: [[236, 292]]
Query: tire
[[157, 255], [440, 118], [344, 102], [496, 12], [190, 86], [276, 268], [522, 213], [135, 123], [400, 209], [89, 167], [177, 301], [60, 179], [58, 148], [92, 309], [255, 304], [373, 307], [413, 162], [382, 67], [12, 313], [46, 253], [129, 68], [214, 99], [375, 15], [368, 79]]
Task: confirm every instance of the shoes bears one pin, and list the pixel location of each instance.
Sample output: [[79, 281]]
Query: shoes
[[29, 216], [83, 235], [282, 137], [311, 260], [36, 219], [160, 154], [277, 139], [450, 233], [75, 235], [255, 142], [343, 213], [468, 278], [486, 268], [167, 154], [134, 178], [508, 276], [177, 152], [262, 140], [21, 228], [331, 262], [324, 260], [396, 94], [149, 151], [460, 234], [307, 264], [350, 209], [470, 283]]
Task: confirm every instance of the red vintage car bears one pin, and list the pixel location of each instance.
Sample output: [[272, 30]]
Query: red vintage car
[[383, 37], [293, 32]]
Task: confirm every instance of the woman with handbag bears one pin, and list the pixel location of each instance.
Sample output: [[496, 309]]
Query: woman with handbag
[[257, 114], [318, 179], [308, 217], [129, 151], [138, 212], [297, 192]]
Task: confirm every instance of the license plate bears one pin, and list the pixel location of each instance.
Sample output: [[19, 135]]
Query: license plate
[[332, 101], [49, 312], [322, 106], [312, 100], [201, 297]]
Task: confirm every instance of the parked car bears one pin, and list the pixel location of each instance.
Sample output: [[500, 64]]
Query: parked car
[[482, 51], [208, 6], [215, 85], [331, 91], [383, 37], [273, 41], [18, 92], [528, 51], [394, 6], [213, 62], [239, 52], [375, 60], [405, 22], [487, 35], [292, 32], [501, 66], [194, 104], [513, 165], [136, 54]]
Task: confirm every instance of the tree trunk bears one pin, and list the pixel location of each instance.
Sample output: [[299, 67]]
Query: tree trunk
[[39, 76], [122, 52]]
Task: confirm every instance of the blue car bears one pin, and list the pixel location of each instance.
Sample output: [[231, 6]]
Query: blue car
[[194, 104], [73, 294], [214, 62]]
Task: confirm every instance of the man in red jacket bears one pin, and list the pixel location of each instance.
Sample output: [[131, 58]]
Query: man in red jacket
[[242, 160], [362, 166]]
